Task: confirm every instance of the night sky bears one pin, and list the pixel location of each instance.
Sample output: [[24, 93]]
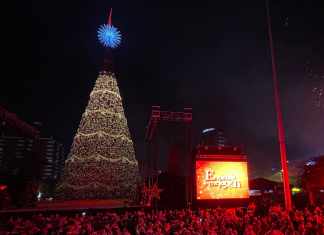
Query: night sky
[[212, 57]]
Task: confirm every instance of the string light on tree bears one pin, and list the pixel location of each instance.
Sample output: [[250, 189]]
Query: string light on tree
[[108, 35], [102, 161]]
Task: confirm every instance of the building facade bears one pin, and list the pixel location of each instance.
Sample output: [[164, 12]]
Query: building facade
[[213, 137], [25, 154]]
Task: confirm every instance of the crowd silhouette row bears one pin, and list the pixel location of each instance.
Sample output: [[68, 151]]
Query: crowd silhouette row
[[234, 221]]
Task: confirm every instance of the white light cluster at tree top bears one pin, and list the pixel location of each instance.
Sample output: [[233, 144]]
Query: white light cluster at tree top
[[102, 161]]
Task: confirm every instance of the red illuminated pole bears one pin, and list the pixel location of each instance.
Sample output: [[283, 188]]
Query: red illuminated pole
[[109, 18], [281, 131]]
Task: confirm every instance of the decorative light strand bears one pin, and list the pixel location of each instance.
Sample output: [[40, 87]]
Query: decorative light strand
[[100, 157], [102, 161], [102, 133], [104, 112], [105, 91]]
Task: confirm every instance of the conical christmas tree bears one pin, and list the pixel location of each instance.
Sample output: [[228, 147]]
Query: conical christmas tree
[[102, 161]]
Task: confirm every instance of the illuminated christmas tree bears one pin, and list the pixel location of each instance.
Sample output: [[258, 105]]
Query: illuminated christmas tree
[[102, 161]]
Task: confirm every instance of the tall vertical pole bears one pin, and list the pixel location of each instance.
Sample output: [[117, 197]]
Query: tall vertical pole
[[281, 131], [109, 18], [188, 163]]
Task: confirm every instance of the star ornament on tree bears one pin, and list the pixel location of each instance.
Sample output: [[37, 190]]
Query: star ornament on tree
[[108, 35]]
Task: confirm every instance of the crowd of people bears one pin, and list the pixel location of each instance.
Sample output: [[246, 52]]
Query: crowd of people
[[234, 221]]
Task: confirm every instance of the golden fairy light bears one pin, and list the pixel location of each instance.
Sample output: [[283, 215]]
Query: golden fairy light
[[102, 161]]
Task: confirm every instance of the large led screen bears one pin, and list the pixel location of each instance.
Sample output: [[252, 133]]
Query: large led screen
[[221, 180]]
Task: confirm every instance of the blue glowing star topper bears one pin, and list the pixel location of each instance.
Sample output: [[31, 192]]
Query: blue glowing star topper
[[108, 35]]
